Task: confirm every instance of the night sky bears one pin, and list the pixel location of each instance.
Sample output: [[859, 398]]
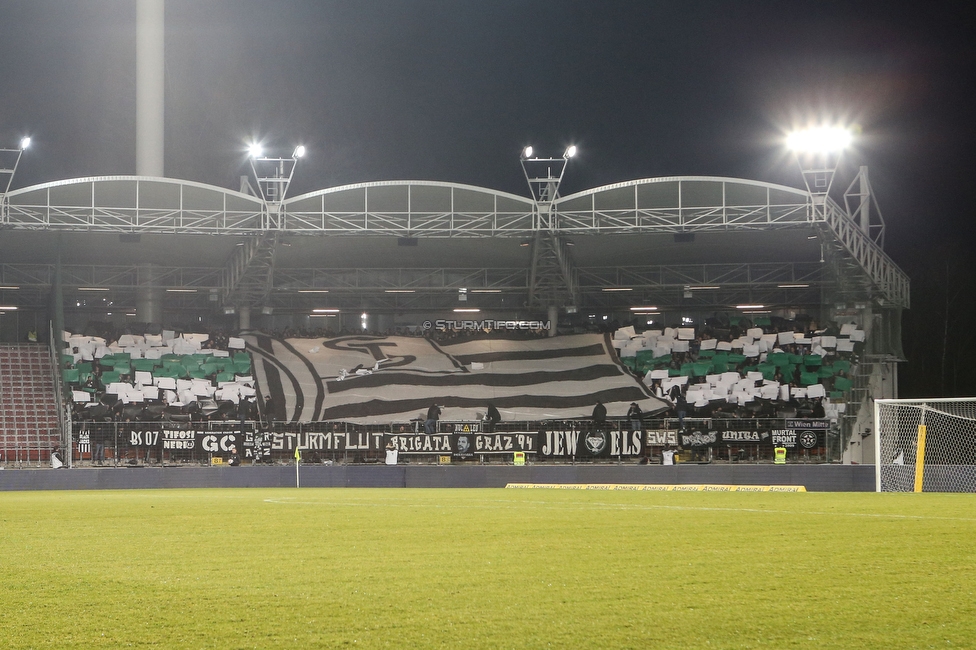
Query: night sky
[[452, 91]]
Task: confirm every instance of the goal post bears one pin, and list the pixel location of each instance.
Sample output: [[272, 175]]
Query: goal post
[[925, 445]]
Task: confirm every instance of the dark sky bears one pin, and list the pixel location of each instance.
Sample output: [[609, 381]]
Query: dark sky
[[452, 90]]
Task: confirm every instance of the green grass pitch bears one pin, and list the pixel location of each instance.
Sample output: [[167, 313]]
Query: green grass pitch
[[372, 568]]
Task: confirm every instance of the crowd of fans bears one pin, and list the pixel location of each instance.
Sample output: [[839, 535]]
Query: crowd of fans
[[770, 367], [167, 375]]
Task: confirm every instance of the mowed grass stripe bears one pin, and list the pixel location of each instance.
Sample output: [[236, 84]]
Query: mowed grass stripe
[[486, 568]]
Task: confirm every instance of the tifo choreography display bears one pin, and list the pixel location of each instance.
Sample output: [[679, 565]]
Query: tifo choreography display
[[369, 379]]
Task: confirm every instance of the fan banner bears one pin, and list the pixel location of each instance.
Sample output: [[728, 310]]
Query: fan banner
[[368, 379], [803, 434]]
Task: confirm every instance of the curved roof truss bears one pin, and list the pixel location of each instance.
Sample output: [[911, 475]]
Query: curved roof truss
[[682, 204], [404, 208], [134, 204], [409, 209]]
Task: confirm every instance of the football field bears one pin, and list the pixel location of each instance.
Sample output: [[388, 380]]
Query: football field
[[260, 568]]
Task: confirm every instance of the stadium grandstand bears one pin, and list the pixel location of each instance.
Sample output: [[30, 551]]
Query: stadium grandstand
[[152, 320], [177, 322]]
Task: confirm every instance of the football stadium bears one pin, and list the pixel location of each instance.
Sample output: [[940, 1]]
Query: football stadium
[[659, 412]]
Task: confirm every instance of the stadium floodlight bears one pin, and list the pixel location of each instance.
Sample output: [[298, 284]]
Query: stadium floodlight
[[9, 160], [273, 174], [544, 175], [824, 139], [817, 151]]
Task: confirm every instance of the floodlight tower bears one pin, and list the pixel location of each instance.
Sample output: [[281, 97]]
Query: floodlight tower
[[818, 151], [273, 175], [9, 159], [544, 176], [251, 274], [552, 277]]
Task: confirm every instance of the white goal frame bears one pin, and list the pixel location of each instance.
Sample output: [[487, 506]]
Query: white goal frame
[[918, 446]]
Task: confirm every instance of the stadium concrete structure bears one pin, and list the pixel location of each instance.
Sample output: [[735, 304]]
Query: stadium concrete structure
[[394, 254]]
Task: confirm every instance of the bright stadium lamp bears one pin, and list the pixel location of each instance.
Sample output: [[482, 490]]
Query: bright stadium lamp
[[272, 173], [824, 140], [9, 160], [817, 151], [545, 174]]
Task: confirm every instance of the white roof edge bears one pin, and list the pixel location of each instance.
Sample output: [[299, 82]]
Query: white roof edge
[[671, 179], [459, 186], [154, 179]]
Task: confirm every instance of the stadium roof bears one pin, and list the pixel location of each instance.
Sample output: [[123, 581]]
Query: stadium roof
[[654, 237]]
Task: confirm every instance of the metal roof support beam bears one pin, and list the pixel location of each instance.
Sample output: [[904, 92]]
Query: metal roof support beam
[[250, 272]]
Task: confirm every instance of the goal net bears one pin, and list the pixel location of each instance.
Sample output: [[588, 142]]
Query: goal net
[[925, 445]]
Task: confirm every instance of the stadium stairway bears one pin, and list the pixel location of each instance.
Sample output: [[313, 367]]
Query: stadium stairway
[[28, 404]]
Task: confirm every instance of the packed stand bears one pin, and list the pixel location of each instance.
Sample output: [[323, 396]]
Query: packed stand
[[169, 376], [766, 368]]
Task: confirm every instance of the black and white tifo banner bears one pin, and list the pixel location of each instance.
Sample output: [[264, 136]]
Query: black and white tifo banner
[[795, 434], [185, 438], [367, 379], [577, 444]]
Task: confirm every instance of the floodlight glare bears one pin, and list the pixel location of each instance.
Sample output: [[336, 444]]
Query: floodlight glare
[[527, 152], [826, 139], [255, 150], [299, 151], [25, 142], [570, 151]]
